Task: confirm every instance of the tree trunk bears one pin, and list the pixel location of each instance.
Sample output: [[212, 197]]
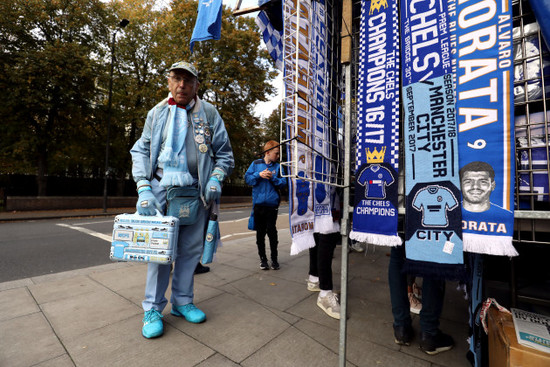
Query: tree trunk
[[41, 174]]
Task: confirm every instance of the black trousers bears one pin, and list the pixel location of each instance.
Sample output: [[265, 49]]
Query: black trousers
[[265, 219], [320, 258]]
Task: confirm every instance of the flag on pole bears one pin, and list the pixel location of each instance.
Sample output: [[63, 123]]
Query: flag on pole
[[272, 38], [209, 21]]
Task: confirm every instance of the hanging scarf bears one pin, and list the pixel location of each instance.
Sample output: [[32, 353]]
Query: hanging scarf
[[433, 235], [485, 125], [173, 155], [298, 86], [320, 117], [377, 152]]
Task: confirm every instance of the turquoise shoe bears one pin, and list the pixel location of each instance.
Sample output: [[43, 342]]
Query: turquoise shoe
[[152, 324], [190, 312]]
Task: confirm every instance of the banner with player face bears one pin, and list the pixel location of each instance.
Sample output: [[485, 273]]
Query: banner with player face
[[485, 123]]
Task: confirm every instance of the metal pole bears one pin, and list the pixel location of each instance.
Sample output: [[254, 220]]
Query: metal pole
[[345, 217]]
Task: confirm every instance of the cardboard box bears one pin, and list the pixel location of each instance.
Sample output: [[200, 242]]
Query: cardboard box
[[504, 350]]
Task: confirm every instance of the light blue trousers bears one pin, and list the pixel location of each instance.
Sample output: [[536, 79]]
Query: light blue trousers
[[190, 246]]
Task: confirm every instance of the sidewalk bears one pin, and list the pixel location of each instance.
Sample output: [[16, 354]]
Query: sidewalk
[[6, 216], [92, 317]]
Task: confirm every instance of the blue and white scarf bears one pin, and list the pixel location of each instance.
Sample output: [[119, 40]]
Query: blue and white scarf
[[320, 118], [433, 235], [272, 39], [485, 123], [173, 155], [377, 151], [297, 51]]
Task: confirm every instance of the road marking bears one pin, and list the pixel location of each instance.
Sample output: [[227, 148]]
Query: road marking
[[236, 234], [96, 222], [241, 219], [233, 221], [87, 231]]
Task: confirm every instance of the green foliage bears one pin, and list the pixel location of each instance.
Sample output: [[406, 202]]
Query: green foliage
[[47, 66], [55, 58]]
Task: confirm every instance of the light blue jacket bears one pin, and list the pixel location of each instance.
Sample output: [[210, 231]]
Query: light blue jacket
[[263, 190], [146, 150]]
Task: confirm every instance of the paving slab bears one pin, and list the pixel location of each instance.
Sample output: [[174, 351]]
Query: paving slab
[[235, 327], [121, 344], [15, 303], [222, 274], [370, 289], [27, 341], [370, 321], [272, 291], [121, 278], [359, 351], [80, 314], [61, 361], [63, 289], [217, 360], [293, 348]]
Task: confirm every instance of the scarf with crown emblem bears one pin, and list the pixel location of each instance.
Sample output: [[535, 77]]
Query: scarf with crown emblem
[[377, 145]]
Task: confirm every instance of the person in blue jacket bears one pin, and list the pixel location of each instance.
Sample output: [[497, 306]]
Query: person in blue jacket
[[179, 164], [264, 176]]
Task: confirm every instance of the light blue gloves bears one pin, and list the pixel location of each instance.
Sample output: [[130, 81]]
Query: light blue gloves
[[147, 203], [213, 190]]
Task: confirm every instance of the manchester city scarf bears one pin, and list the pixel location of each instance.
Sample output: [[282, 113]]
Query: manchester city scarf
[[297, 39], [485, 125], [433, 236], [377, 150]]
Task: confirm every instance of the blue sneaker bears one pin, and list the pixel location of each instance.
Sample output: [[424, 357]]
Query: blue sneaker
[[190, 312], [152, 324]]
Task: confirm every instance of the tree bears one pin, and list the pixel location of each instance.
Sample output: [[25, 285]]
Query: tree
[[47, 64]]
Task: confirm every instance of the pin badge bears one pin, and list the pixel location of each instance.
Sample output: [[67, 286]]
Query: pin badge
[[199, 139], [203, 148]]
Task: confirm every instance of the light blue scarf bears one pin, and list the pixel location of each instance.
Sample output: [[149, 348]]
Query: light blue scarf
[[173, 155]]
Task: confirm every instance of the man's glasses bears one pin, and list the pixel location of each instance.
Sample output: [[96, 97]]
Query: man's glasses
[[178, 79]]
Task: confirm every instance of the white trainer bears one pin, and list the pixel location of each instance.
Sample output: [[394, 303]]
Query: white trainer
[[415, 303], [356, 246], [313, 286], [330, 304]]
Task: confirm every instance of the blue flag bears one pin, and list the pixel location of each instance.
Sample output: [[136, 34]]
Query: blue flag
[[272, 39], [209, 21]]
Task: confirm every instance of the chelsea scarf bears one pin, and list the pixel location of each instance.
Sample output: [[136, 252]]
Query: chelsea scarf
[[377, 149]]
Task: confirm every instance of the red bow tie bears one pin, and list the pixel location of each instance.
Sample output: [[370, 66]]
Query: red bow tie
[[172, 102]]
